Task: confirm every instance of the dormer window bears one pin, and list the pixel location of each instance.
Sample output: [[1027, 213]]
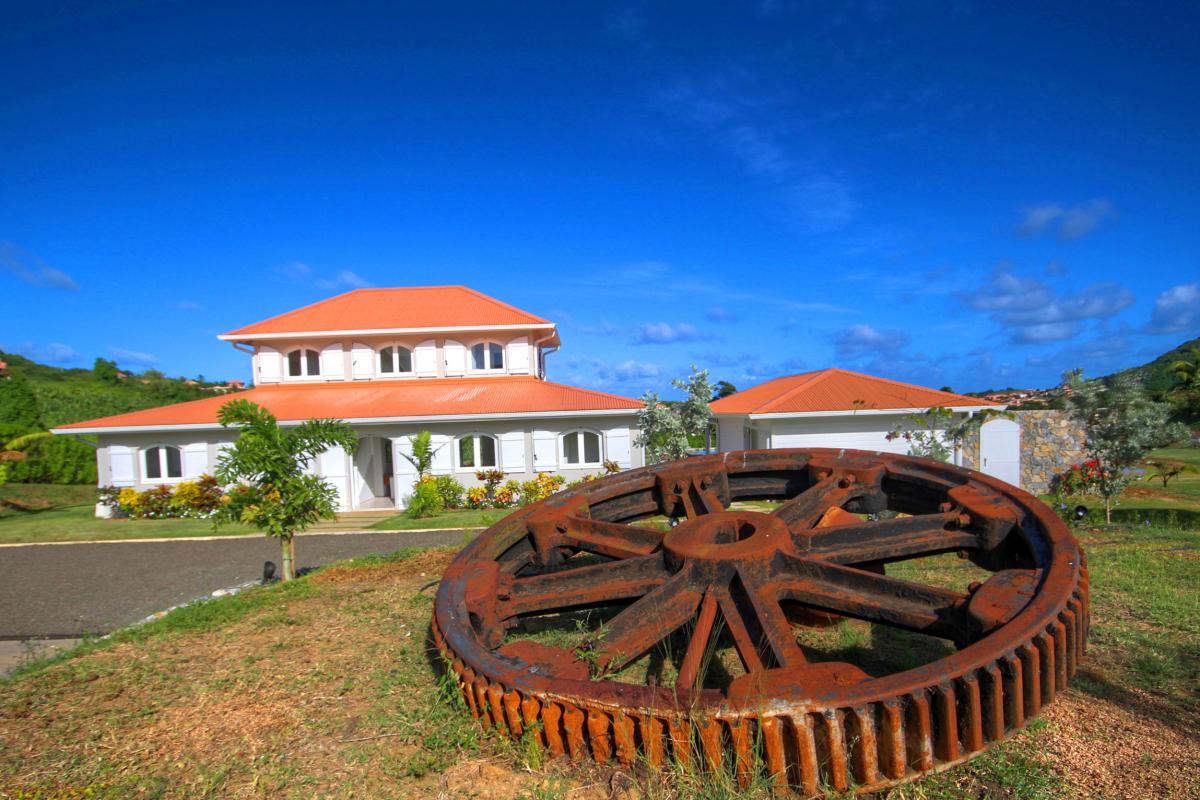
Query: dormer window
[[303, 363], [487, 356], [394, 360]]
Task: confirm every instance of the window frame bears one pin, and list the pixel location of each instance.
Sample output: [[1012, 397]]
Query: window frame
[[163, 464], [475, 437], [487, 344], [412, 360], [582, 463], [304, 349]]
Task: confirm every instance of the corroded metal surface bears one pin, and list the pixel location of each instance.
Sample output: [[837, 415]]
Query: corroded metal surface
[[737, 580]]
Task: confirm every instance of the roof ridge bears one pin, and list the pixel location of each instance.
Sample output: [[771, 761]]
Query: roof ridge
[[813, 377]]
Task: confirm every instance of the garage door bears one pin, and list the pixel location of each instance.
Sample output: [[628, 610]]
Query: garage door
[[857, 433]]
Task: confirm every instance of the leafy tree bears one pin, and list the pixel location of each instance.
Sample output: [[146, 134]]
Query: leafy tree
[[1120, 424], [664, 429], [694, 414], [268, 462], [19, 411], [938, 432], [106, 371], [723, 389], [1185, 395], [423, 452]]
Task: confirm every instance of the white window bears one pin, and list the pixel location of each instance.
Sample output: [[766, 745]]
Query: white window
[[394, 360], [477, 452], [303, 363], [487, 356], [581, 448], [162, 462]]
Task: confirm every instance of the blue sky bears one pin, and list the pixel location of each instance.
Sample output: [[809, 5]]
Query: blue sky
[[948, 193]]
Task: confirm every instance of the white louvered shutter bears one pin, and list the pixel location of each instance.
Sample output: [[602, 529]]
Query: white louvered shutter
[[332, 467], [362, 361], [425, 359], [545, 451], [456, 357], [512, 451], [333, 362], [406, 473], [443, 454], [120, 465], [616, 441], [195, 459], [518, 355], [270, 365]]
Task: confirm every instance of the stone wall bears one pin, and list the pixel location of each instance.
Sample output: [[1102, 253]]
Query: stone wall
[[1050, 443]]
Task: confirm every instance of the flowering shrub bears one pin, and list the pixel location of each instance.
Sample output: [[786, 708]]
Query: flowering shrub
[[426, 499], [451, 491], [196, 499], [477, 497], [541, 487]]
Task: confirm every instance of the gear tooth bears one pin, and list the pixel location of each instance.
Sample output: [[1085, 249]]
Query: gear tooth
[[1061, 668], [1044, 643], [709, 731], [807, 758], [992, 690], [865, 749], [495, 698], [681, 741], [467, 684], [481, 702], [743, 755], [551, 718], [512, 714], [623, 737], [650, 729], [573, 721], [890, 717], [1031, 663], [773, 751], [970, 713], [833, 736], [946, 723], [1070, 623], [530, 713], [598, 725], [918, 724], [1014, 691]]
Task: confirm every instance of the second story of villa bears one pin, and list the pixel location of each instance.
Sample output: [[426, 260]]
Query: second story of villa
[[406, 333]]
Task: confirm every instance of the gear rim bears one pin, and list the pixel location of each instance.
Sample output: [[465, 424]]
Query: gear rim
[[886, 730]]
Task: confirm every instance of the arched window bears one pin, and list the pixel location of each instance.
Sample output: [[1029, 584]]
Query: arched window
[[487, 356], [477, 451], [581, 448], [162, 461], [395, 359], [303, 363]]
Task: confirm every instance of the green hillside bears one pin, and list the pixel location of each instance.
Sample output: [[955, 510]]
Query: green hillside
[[1156, 376]]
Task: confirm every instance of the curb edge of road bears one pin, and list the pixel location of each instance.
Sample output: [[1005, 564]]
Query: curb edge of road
[[243, 536]]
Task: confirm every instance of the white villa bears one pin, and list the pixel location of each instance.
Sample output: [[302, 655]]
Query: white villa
[[391, 362]]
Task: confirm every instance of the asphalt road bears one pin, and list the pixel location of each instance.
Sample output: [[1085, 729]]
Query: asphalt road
[[70, 590]]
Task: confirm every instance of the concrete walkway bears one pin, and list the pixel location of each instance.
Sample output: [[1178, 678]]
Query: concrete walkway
[[75, 589]]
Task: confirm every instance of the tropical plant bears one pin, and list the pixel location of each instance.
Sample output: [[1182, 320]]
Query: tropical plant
[[1166, 470], [938, 432], [541, 487], [1120, 424], [426, 500], [423, 452], [450, 490], [660, 431], [274, 493], [723, 389], [1185, 395]]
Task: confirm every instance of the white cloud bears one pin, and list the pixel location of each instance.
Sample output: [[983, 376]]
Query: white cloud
[[30, 269], [666, 333], [299, 272], [720, 315], [859, 340], [345, 278], [132, 356], [630, 370], [49, 353], [1176, 310], [1065, 222]]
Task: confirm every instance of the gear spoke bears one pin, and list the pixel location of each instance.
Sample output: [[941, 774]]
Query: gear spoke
[[608, 538], [887, 539], [802, 511], [596, 583], [647, 622]]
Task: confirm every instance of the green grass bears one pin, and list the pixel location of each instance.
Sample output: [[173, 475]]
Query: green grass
[[466, 518], [68, 514]]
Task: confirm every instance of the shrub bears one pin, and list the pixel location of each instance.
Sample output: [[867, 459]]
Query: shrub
[[426, 500], [53, 459], [507, 494], [450, 490], [541, 487], [156, 503], [477, 497], [195, 499]]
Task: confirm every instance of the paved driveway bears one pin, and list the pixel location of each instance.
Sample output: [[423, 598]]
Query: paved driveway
[[63, 590]]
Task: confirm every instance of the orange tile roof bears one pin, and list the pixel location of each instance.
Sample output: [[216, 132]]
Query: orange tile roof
[[836, 390], [434, 307], [380, 400]]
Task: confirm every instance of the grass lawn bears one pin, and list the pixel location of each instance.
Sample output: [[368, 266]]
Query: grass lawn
[[325, 688], [464, 518], [68, 514]]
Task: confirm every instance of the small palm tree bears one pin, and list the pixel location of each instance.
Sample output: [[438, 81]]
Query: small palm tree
[[267, 464], [423, 452]]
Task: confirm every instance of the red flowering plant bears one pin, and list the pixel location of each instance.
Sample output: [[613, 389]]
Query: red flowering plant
[[1088, 477]]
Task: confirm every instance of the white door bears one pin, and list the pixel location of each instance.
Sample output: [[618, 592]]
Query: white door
[[1000, 450], [366, 466]]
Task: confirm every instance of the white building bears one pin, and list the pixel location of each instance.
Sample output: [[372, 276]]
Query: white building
[[838, 408], [391, 362]]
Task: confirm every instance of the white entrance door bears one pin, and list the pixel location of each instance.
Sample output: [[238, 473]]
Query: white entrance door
[[1000, 450], [366, 468]]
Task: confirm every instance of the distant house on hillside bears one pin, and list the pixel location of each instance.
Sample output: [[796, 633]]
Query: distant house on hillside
[[838, 408], [391, 362]]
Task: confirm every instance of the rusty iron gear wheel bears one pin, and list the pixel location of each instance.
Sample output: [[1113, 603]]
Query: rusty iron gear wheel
[[742, 577]]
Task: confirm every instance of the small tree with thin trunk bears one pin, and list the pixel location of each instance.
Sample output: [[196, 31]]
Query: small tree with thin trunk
[[1120, 424], [665, 429], [265, 469]]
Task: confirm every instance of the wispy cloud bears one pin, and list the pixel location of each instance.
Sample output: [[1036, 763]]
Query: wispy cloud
[[856, 341], [1065, 222], [1035, 313], [345, 279], [1176, 310], [720, 315], [299, 272], [630, 376], [48, 353], [667, 333], [26, 267], [132, 356]]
